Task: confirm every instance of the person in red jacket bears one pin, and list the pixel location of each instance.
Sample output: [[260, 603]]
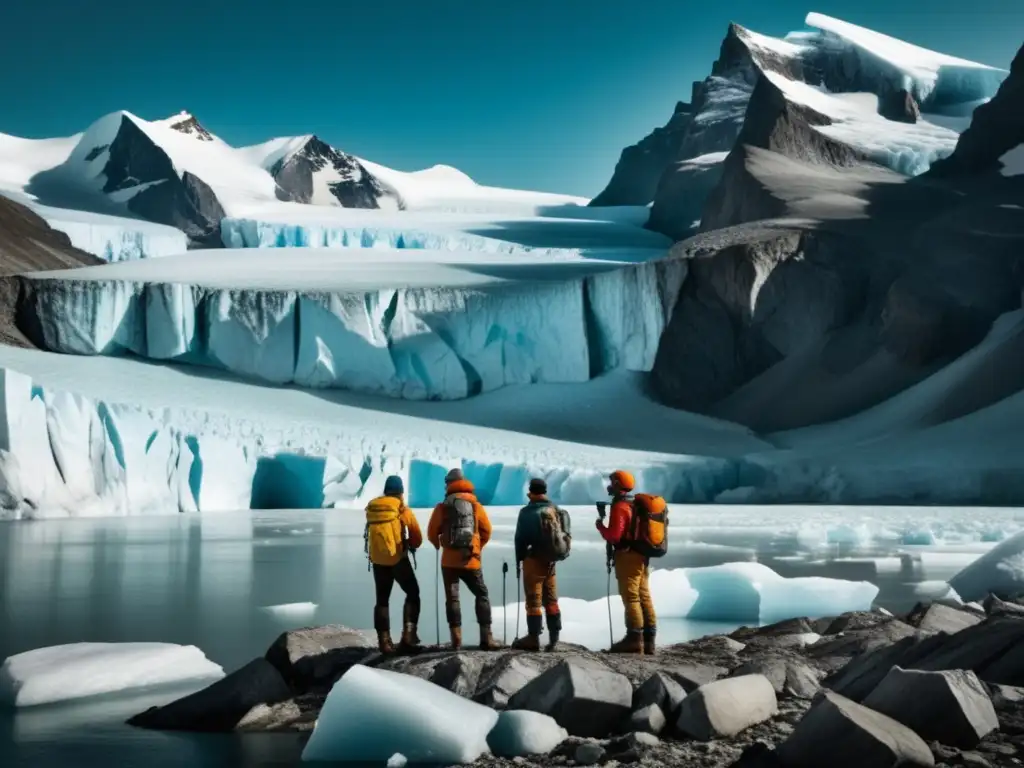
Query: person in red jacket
[[631, 569]]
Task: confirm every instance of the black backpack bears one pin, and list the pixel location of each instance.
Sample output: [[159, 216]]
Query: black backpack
[[459, 526]]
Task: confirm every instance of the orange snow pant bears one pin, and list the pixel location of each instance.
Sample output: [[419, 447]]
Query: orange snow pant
[[632, 574], [540, 587]]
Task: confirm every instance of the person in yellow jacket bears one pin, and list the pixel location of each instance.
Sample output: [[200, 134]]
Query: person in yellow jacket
[[392, 533], [460, 528]]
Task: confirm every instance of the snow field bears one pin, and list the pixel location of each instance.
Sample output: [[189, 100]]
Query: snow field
[[68, 672], [538, 323]]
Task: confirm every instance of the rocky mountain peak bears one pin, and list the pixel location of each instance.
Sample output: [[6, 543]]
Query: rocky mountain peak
[[185, 122]]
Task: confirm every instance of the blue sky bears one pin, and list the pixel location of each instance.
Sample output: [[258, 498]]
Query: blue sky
[[539, 94]]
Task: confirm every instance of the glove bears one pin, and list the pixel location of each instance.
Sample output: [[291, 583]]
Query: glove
[[599, 524]]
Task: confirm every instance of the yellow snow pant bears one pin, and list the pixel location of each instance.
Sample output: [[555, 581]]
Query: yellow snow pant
[[631, 572]]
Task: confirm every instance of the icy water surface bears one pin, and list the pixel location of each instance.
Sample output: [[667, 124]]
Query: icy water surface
[[214, 581]]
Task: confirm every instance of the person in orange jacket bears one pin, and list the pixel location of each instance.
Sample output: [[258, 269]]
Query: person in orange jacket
[[460, 528], [392, 533], [631, 569]]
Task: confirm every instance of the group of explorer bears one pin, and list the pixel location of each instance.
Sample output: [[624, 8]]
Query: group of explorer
[[636, 531]]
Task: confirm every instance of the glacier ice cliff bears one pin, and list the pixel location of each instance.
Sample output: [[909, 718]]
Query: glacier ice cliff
[[418, 343], [63, 454], [114, 238]]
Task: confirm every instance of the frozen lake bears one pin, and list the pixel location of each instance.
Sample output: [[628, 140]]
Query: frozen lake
[[212, 581]]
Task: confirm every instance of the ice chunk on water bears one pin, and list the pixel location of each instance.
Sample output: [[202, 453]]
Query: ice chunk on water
[[734, 592], [397, 760], [370, 714], [519, 733], [291, 612], [68, 672], [1000, 570]]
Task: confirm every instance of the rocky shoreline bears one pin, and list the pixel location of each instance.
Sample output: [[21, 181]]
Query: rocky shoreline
[[934, 687]]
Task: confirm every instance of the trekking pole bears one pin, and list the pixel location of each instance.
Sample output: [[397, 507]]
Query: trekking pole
[[504, 602], [519, 591], [437, 596], [611, 634]]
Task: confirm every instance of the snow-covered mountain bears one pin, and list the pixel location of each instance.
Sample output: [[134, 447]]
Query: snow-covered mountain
[[176, 172], [884, 100]]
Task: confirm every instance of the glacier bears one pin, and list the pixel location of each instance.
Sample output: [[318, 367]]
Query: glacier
[[114, 238], [937, 82], [512, 322], [246, 446]]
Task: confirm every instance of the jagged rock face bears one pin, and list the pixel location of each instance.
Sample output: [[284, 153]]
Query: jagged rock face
[[185, 201], [641, 165], [996, 128], [776, 124], [350, 183], [748, 305], [191, 127], [710, 123], [679, 201]]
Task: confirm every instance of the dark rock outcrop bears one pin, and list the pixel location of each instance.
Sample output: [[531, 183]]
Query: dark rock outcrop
[[185, 202], [583, 698], [346, 178], [851, 736], [190, 126], [221, 706], [996, 128], [29, 244], [951, 707], [899, 106], [314, 658]]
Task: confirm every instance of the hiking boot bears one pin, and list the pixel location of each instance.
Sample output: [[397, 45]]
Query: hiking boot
[[526, 643], [409, 641], [487, 641], [633, 642], [649, 649], [554, 621], [384, 644], [456, 638]]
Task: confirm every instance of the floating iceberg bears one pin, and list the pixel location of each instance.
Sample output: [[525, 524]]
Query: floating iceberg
[[734, 592], [372, 714], [68, 672]]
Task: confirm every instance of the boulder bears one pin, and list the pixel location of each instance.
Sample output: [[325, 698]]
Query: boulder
[[858, 641], [951, 707], [287, 715], [785, 627], [849, 622], [459, 674], [648, 719], [788, 677], [520, 733], [588, 753], [995, 606], [840, 733], [693, 676], [994, 649], [584, 697], [313, 658], [505, 678], [726, 707], [222, 706], [662, 691], [939, 617], [1005, 696]]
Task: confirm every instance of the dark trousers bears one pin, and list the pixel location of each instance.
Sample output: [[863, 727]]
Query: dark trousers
[[384, 579], [474, 579]]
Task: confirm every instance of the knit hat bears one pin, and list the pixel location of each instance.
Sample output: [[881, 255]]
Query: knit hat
[[454, 476], [394, 486], [622, 479], [538, 487]]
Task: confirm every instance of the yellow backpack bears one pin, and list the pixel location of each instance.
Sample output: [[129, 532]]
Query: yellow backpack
[[382, 538]]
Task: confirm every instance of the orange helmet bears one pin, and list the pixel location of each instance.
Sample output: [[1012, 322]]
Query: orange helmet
[[622, 479]]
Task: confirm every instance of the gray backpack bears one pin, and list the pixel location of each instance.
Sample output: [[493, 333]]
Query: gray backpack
[[555, 533], [459, 524]]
